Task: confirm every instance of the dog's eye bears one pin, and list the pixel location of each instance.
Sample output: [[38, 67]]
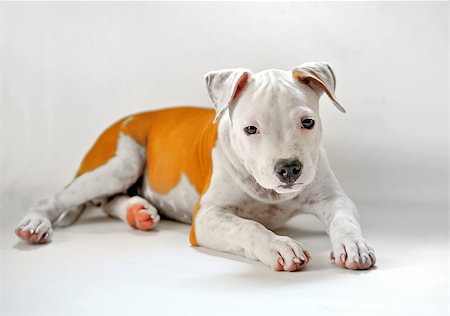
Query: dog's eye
[[250, 130], [307, 123]]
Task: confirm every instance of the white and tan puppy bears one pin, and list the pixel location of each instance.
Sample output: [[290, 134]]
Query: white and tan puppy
[[235, 173]]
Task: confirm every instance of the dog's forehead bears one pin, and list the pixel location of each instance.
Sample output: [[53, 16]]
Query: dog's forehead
[[274, 91]]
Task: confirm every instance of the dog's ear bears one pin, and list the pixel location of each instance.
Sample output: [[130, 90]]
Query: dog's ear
[[224, 87], [320, 77]]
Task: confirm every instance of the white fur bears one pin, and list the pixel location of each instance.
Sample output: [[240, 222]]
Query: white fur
[[245, 192], [178, 203]]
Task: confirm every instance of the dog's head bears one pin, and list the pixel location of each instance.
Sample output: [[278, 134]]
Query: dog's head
[[275, 128]]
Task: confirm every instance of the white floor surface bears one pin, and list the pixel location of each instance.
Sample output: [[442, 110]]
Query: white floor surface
[[100, 266]]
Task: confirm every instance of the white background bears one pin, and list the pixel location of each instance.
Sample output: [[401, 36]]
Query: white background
[[69, 70]]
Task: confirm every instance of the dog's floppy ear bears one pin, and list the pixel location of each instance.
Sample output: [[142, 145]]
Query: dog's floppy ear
[[320, 77], [224, 86]]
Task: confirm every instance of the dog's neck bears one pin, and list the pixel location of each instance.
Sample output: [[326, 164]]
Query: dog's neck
[[240, 174]]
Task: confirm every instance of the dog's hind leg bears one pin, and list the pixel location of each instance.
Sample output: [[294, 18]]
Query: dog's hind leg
[[135, 211], [115, 176]]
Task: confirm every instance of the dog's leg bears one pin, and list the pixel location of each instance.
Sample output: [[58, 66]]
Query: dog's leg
[[339, 215], [135, 211], [220, 229], [115, 176], [349, 248]]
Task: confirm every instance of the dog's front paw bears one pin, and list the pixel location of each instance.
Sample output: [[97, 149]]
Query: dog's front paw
[[353, 253], [284, 254], [35, 229]]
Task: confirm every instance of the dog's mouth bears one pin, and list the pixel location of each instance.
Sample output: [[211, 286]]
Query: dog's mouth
[[290, 185], [289, 188]]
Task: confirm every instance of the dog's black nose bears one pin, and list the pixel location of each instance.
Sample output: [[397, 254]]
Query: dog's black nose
[[288, 170]]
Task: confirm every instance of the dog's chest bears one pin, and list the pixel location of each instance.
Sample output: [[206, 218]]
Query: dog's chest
[[271, 216]]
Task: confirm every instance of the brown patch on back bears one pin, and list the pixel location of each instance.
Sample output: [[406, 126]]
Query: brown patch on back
[[104, 149], [177, 140]]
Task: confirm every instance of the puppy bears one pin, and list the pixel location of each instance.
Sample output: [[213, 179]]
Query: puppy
[[235, 173]]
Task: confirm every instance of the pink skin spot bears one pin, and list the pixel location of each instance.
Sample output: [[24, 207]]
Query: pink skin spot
[[137, 219], [33, 238], [295, 266], [341, 262], [279, 266], [354, 265]]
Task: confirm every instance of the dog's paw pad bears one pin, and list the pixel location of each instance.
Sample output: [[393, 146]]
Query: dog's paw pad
[[140, 217]]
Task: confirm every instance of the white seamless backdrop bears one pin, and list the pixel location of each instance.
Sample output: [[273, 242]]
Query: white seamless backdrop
[[69, 70]]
